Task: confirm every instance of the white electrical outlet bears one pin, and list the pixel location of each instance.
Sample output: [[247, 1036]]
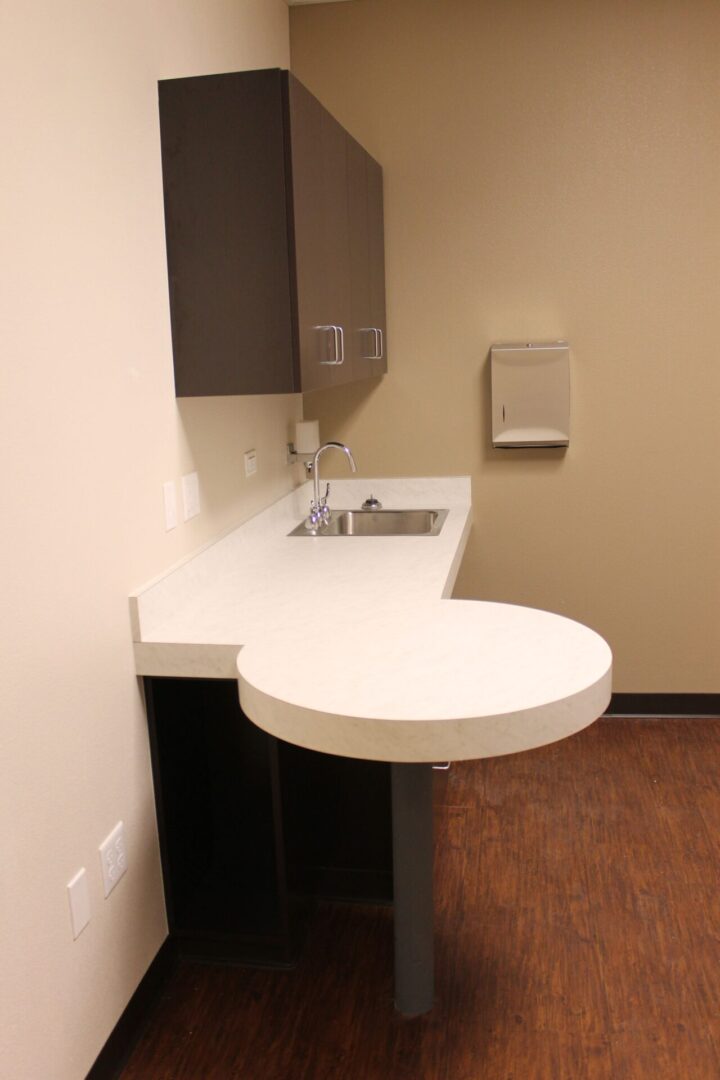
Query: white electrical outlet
[[170, 504], [250, 462], [191, 496], [79, 898], [113, 858]]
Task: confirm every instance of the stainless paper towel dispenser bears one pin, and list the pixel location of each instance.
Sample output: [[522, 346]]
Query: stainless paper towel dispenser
[[530, 394]]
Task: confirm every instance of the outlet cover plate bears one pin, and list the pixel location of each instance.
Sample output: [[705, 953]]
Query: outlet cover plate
[[113, 858], [250, 462]]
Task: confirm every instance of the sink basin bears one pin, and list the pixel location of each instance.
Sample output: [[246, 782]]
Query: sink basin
[[388, 522], [379, 523]]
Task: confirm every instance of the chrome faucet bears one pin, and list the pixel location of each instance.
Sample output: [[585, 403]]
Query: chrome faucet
[[319, 514]]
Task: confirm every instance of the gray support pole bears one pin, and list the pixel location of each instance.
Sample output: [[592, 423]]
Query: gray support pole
[[412, 814]]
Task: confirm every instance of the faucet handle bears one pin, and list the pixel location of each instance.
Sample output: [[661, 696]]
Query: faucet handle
[[325, 511], [314, 518]]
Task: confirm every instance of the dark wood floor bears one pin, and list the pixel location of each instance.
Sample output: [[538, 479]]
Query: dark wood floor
[[577, 936]]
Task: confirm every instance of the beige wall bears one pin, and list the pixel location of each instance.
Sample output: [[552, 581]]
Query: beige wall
[[90, 429], [522, 200], [551, 170]]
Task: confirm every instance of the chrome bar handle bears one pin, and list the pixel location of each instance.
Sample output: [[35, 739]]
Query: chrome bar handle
[[373, 331], [340, 352], [377, 342], [337, 344]]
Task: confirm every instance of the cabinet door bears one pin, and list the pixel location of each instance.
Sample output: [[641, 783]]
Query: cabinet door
[[319, 185], [376, 240], [367, 263], [362, 338], [223, 157]]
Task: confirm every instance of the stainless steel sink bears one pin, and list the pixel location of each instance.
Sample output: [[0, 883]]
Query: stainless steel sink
[[378, 523]]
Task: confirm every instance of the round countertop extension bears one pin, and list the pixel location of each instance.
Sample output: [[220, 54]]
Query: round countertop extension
[[443, 680]]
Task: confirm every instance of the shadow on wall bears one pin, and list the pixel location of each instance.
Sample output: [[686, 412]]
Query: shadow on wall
[[340, 405], [214, 433], [339, 410]]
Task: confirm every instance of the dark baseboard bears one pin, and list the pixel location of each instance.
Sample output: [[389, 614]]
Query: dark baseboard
[[115, 1053], [664, 705]]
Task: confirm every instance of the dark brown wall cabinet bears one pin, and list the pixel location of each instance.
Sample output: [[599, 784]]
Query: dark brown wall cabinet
[[274, 223]]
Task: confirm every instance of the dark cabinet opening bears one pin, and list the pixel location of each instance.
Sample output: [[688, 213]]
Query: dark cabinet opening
[[253, 829]]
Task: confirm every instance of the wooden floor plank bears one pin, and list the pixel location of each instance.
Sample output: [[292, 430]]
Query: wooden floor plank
[[577, 931]]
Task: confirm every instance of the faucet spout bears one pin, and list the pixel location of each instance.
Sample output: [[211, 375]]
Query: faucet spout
[[319, 509]]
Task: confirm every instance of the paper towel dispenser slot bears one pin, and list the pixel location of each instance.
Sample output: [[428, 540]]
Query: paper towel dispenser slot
[[530, 394]]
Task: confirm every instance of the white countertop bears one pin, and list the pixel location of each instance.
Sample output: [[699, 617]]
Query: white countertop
[[257, 580], [440, 680], [351, 645]]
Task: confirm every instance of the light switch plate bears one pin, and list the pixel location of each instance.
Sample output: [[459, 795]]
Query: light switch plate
[[79, 899], [250, 462], [191, 496], [170, 505]]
